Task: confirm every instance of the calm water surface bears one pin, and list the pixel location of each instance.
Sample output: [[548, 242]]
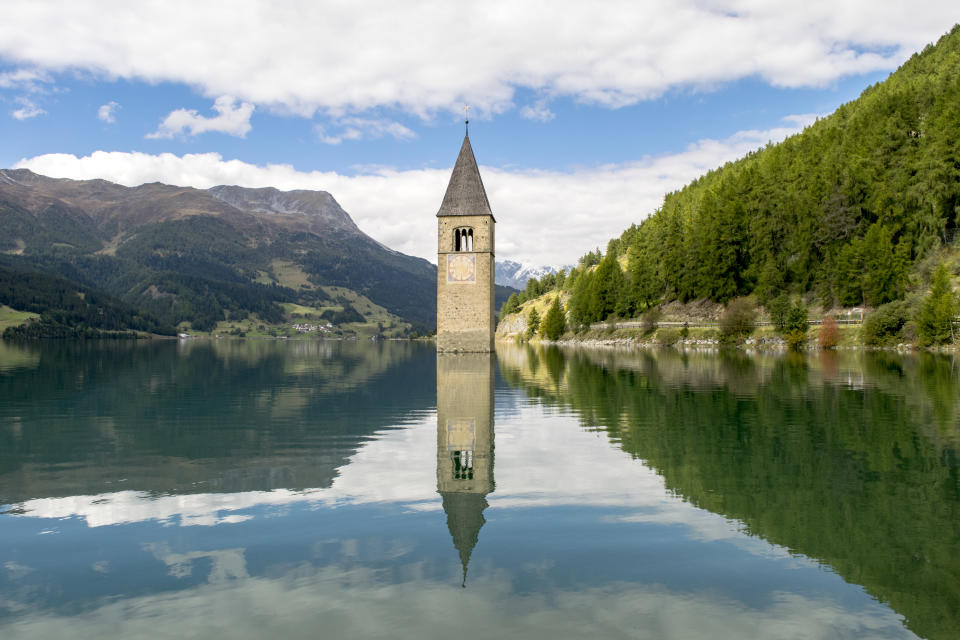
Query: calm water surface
[[252, 489]]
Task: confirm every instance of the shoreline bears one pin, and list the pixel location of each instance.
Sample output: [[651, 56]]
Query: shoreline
[[761, 344]]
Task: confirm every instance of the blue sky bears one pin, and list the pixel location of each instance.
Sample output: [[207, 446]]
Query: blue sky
[[578, 135], [582, 117]]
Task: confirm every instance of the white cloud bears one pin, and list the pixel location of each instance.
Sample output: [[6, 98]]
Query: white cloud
[[350, 599], [108, 112], [30, 81], [325, 137], [27, 109], [231, 118], [543, 217], [360, 128], [25, 79], [803, 119], [424, 56], [380, 128], [538, 111]]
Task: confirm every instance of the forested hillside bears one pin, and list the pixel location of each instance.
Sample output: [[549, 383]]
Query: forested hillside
[[69, 310], [843, 213]]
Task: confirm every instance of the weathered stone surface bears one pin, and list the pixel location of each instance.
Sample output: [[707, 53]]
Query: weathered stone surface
[[465, 279]]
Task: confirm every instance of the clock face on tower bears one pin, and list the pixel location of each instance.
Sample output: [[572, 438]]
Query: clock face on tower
[[461, 268]]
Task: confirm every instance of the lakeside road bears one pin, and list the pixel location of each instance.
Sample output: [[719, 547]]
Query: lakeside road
[[704, 324]]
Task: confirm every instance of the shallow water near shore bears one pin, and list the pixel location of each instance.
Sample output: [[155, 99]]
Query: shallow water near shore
[[365, 490]]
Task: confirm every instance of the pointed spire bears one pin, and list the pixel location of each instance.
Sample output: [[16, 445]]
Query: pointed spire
[[464, 520], [465, 194]]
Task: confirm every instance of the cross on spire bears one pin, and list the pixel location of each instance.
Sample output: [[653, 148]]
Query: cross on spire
[[466, 117]]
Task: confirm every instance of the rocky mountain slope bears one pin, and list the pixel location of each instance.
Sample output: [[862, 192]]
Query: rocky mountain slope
[[513, 274]]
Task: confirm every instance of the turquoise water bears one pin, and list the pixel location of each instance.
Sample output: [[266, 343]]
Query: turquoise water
[[367, 490]]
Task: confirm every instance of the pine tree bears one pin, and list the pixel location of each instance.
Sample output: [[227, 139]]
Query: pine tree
[[884, 266], [797, 325], [939, 309], [779, 309], [607, 288], [644, 287], [533, 289], [849, 274], [533, 323], [580, 300], [554, 322], [512, 305]]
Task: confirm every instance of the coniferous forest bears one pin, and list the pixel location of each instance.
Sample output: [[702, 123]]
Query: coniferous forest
[[855, 210]]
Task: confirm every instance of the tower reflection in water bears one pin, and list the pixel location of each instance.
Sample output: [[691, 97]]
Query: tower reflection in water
[[464, 445]]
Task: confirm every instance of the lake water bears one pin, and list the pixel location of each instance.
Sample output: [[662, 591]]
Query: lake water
[[251, 489]]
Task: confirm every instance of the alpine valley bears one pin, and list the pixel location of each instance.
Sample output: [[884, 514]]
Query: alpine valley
[[88, 257]]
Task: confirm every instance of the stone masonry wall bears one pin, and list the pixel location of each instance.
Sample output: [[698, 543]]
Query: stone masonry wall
[[465, 311]]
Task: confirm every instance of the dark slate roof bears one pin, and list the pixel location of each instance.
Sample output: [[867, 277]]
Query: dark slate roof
[[464, 519], [465, 194]]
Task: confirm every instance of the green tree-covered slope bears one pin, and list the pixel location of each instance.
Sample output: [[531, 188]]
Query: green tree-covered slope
[[69, 310], [843, 210]]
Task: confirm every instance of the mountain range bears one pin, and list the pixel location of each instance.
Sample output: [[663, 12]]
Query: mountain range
[[182, 256], [513, 274]]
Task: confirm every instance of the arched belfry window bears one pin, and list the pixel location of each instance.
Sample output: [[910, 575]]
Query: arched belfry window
[[463, 239], [463, 465]]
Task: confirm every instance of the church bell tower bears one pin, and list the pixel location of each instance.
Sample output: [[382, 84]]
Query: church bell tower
[[465, 260]]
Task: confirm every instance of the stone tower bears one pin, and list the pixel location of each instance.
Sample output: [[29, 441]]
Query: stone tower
[[465, 256], [464, 445]]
